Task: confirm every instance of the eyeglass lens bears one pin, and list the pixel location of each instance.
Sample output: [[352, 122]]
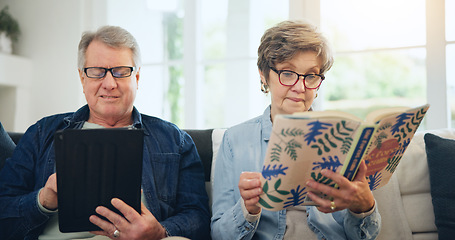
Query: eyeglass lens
[[289, 78], [117, 72]]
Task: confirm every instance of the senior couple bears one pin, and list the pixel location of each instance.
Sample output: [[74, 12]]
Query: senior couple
[[109, 68]]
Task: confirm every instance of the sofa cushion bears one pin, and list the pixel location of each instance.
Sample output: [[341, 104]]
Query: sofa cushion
[[217, 137], [414, 184], [6, 146], [390, 205], [441, 161], [202, 138]]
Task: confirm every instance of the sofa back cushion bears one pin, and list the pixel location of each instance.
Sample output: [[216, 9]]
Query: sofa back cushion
[[203, 141], [441, 162]]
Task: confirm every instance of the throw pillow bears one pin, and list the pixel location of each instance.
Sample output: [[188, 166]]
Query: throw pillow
[[6, 146], [441, 164]]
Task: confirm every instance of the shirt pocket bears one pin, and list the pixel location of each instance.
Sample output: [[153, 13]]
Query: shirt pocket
[[165, 167]]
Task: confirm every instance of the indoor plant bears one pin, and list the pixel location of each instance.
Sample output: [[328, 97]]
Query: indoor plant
[[9, 30]]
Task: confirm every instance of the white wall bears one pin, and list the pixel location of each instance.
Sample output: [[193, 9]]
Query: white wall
[[51, 30]]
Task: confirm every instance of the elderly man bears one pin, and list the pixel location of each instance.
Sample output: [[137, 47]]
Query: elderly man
[[174, 201]]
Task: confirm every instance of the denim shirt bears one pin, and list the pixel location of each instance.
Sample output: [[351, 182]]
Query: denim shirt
[[172, 177], [243, 149]]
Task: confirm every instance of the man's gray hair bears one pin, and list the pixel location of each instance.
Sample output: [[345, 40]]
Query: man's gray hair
[[112, 36]]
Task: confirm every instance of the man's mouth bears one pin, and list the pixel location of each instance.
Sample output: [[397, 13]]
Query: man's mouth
[[108, 97]]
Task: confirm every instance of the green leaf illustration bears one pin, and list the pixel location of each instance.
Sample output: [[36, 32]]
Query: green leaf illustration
[[277, 184], [273, 198], [264, 203], [282, 192], [265, 188]]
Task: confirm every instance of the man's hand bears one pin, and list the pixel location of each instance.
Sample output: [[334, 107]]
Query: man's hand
[[132, 226], [48, 194]]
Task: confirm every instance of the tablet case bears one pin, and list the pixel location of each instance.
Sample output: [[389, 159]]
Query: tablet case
[[94, 166]]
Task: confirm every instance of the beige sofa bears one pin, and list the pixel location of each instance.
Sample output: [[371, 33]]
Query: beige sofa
[[405, 203]]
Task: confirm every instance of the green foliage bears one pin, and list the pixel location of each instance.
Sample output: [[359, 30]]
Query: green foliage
[[276, 152], [320, 178], [332, 144], [272, 198], [264, 203], [378, 140], [9, 25], [175, 93], [174, 35], [294, 132], [277, 185], [291, 149], [393, 163], [174, 32], [319, 149], [346, 145], [326, 149], [378, 74]]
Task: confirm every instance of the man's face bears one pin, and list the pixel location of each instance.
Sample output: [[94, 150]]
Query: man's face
[[109, 99]]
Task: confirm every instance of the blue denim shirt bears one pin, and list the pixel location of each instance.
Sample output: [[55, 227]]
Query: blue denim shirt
[[172, 177], [243, 149]]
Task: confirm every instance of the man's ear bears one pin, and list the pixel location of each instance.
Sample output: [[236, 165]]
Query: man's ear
[[137, 77], [81, 76]]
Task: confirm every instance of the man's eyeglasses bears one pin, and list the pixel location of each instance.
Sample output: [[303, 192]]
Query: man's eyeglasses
[[290, 78], [117, 72]]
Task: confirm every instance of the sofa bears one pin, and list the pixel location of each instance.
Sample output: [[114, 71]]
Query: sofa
[[409, 204]]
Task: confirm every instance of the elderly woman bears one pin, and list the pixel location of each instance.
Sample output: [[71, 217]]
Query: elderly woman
[[292, 60]]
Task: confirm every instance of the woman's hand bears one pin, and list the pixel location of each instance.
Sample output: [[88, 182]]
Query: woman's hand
[[132, 226], [355, 195], [250, 189]]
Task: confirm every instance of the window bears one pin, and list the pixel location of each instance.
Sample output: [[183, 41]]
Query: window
[[377, 64], [204, 76], [450, 55], [199, 56], [231, 31]]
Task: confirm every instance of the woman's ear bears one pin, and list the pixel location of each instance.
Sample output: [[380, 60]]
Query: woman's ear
[[264, 82]]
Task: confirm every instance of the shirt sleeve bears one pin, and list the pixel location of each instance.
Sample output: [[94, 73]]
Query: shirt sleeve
[[344, 225], [364, 225], [192, 217], [249, 217], [41, 207], [228, 220]]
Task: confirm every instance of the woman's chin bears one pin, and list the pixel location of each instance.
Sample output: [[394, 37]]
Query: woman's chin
[[296, 108]]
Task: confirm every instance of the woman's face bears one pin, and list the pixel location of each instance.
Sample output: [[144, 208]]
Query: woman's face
[[291, 99]]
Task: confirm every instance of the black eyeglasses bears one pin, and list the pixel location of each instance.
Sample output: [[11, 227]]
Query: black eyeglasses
[[117, 72], [290, 78]]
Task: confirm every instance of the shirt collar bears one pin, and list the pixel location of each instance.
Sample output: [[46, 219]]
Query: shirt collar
[[266, 124], [82, 114]]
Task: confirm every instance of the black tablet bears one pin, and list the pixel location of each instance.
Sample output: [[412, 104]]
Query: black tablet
[[94, 166]]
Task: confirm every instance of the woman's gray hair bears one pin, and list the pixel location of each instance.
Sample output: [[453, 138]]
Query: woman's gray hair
[[283, 41], [112, 36]]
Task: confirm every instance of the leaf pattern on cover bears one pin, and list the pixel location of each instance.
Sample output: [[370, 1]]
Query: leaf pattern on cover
[[268, 172]]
